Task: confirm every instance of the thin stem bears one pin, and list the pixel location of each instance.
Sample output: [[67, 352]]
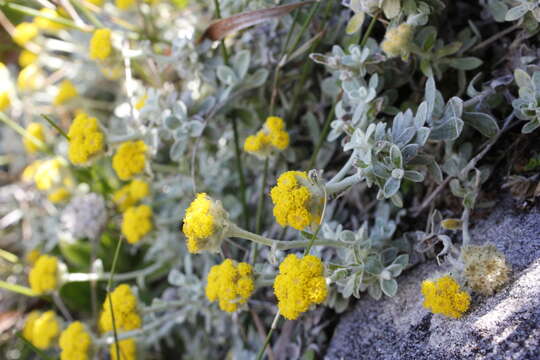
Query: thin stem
[[19, 289], [84, 277], [341, 173], [240, 170], [269, 336], [38, 352], [465, 226], [260, 209], [109, 288], [235, 231], [222, 43], [496, 36], [369, 29], [314, 8], [61, 306], [335, 187], [54, 125], [322, 137], [6, 255], [94, 20], [33, 12], [12, 124]]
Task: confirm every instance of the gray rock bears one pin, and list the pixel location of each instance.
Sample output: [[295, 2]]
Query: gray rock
[[503, 326]]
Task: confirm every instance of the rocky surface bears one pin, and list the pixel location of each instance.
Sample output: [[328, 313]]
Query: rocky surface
[[504, 326]]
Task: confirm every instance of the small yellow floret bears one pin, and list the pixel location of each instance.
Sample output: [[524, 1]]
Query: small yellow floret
[[86, 140], [230, 284], [30, 78], [141, 102], [28, 328], [127, 350], [443, 296], [5, 101], [204, 221], [26, 58], [59, 195], [136, 223], [294, 204], [36, 130], [100, 44], [126, 314], [130, 159], [75, 342], [96, 2], [271, 138], [46, 329], [124, 4], [43, 277], [397, 41], [300, 284], [32, 256], [44, 23], [48, 173], [130, 194], [66, 91], [24, 32]]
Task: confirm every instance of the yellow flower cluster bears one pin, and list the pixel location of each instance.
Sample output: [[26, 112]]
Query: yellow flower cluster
[[43, 277], [41, 329], [443, 296], [126, 315], [59, 195], [75, 342], [397, 41], [36, 130], [30, 78], [205, 223], [130, 159], [294, 203], [299, 284], [130, 194], [128, 350], [24, 32], [44, 23], [272, 137], [100, 44], [5, 101], [230, 284], [66, 91], [124, 4], [136, 223], [86, 140], [26, 58]]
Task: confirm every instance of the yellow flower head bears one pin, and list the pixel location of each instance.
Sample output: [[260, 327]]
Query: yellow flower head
[[44, 23], [299, 284], [100, 44], [5, 101], [43, 277], [230, 284], [86, 140], [24, 32], [130, 194], [297, 203], [270, 139], [59, 195], [126, 314], [66, 91], [96, 2], [48, 173], [397, 41], [136, 223], [36, 130], [28, 328], [124, 4], [443, 296], [130, 159], [26, 58], [205, 224], [45, 330], [128, 350], [75, 342], [32, 256], [30, 78]]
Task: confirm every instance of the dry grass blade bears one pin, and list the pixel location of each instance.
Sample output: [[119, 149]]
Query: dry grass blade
[[221, 28]]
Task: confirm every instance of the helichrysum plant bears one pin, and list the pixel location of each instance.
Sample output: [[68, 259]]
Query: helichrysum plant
[[197, 180]]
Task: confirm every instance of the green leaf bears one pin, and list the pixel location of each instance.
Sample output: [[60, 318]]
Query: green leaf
[[482, 122], [355, 23], [530, 126], [391, 187], [449, 130], [516, 12], [465, 63], [389, 287], [449, 49], [241, 62]]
